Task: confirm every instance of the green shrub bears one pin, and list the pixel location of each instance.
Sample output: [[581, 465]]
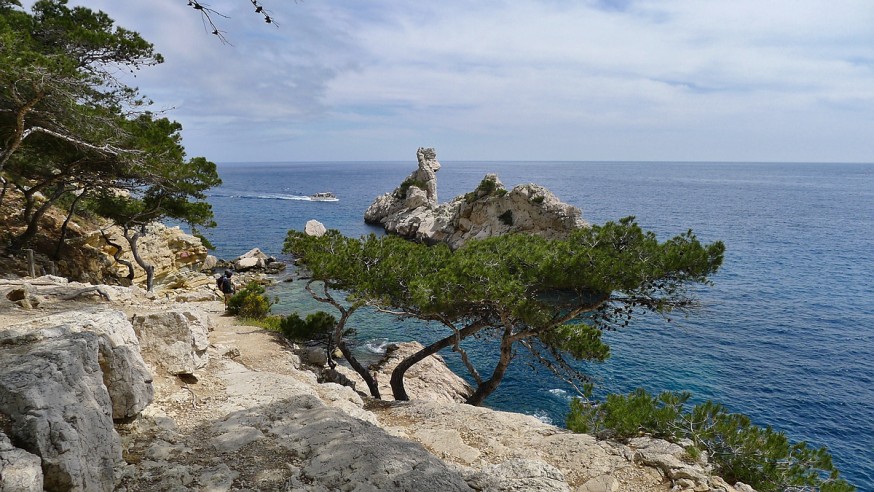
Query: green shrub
[[250, 302], [317, 325], [739, 451], [538, 199], [486, 187], [401, 192]]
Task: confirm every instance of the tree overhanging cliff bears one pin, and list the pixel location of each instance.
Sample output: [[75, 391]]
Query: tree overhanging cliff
[[74, 136]]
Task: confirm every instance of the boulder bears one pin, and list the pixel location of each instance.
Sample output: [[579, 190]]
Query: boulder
[[412, 211], [52, 391], [209, 263], [20, 471], [23, 297], [429, 379], [175, 340], [125, 374], [314, 228], [671, 459], [339, 452], [253, 253], [314, 356], [257, 260], [251, 263]]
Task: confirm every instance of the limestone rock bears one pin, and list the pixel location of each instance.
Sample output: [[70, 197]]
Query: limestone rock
[[257, 260], [447, 443], [430, 379], [314, 356], [344, 453], [412, 211], [125, 374], [419, 190], [175, 340], [209, 263], [503, 436], [52, 390], [19, 470], [24, 297], [315, 228], [519, 475], [168, 249], [671, 459]]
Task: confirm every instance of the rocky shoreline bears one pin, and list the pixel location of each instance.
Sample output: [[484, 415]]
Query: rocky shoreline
[[113, 388]]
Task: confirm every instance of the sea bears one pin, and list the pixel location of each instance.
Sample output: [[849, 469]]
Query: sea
[[785, 334]]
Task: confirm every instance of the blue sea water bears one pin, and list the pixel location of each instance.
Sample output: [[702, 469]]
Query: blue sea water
[[785, 334]]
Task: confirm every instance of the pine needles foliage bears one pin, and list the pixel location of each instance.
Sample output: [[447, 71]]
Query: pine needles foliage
[[739, 450], [317, 326]]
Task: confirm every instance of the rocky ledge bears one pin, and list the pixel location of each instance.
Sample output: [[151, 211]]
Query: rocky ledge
[[110, 388], [412, 209]]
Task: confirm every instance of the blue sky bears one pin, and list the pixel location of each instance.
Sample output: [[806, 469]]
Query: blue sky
[[688, 80]]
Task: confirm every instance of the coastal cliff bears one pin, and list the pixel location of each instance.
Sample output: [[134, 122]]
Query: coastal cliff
[[180, 397], [110, 387], [412, 209]]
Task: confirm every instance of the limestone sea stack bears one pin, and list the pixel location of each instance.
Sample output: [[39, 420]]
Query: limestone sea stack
[[412, 210]]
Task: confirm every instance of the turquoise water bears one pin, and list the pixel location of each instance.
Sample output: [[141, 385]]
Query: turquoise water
[[786, 334]]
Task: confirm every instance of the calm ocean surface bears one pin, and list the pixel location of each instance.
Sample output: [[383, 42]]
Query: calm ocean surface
[[786, 334]]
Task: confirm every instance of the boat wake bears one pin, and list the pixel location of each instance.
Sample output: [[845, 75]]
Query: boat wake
[[272, 196]]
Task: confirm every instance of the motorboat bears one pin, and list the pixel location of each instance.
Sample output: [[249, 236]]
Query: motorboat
[[325, 196]]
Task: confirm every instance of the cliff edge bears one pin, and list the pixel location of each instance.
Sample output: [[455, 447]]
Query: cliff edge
[[108, 388]]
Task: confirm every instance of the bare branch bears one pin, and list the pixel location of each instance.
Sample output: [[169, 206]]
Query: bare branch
[[207, 13]]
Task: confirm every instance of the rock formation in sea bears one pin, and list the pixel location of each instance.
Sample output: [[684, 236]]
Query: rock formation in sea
[[412, 210]]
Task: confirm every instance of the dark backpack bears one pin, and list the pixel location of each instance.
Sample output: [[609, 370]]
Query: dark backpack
[[225, 285]]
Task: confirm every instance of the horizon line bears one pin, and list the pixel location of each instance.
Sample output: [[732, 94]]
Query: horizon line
[[518, 161]]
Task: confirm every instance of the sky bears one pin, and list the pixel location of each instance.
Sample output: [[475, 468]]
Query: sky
[[584, 80]]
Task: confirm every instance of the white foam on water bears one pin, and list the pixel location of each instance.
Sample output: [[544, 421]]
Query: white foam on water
[[542, 416], [376, 346]]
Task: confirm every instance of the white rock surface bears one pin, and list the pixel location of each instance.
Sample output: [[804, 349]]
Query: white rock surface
[[52, 390], [315, 228], [125, 374], [175, 340], [20, 471], [519, 475]]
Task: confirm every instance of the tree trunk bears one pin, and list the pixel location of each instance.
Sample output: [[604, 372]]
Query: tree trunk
[[33, 222], [397, 375], [150, 269], [14, 142], [3, 190], [489, 385], [361, 370], [341, 344], [117, 255], [63, 234]]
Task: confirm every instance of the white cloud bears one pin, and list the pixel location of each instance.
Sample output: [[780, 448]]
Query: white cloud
[[648, 79]]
